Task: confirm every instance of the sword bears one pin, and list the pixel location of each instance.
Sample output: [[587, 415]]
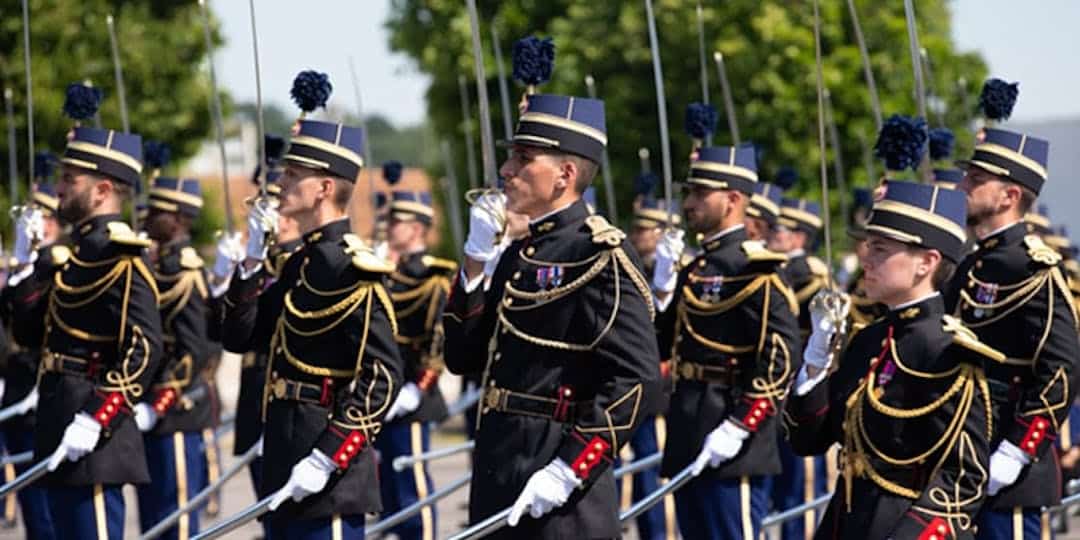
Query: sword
[[13, 166], [838, 159], [415, 508], [18, 459], [403, 462], [635, 467], [868, 72], [466, 401], [367, 146], [259, 139], [29, 92], [226, 425], [609, 186], [504, 91], [9, 412], [118, 73], [661, 107], [453, 198], [643, 156], [466, 126], [487, 142], [920, 86], [652, 499], [29, 476], [238, 520], [729, 104], [485, 527], [215, 109], [702, 67], [929, 77], [165, 524], [823, 171]]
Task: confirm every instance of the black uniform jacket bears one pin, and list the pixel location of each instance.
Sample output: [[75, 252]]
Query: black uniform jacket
[[334, 367], [910, 406], [102, 348], [806, 275], [734, 339], [564, 338], [419, 288], [1012, 292]]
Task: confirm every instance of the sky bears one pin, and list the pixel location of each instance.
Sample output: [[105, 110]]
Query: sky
[[1031, 42]]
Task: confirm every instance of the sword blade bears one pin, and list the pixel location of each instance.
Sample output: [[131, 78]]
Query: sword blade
[[246, 515], [29, 476], [661, 106], [215, 110]]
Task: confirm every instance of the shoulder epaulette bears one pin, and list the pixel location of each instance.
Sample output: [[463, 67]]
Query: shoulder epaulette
[[121, 233], [364, 258], [964, 337], [59, 254], [603, 232], [190, 259], [756, 251], [440, 264], [1040, 252], [817, 266]]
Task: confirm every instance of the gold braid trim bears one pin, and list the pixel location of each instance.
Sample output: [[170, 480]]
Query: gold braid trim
[[637, 279], [701, 307], [543, 297], [813, 286], [124, 380], [1030, 287], [279, 339]]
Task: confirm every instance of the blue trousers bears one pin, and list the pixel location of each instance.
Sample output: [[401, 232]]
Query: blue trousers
[[32, 499], [400, 489], [1018, 524], [729, 509], [87, 512], [335, 528], [177, 472], [803, 480], [657, 523]]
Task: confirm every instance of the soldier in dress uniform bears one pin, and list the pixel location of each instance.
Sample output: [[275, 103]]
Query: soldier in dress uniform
[[908, 401], [804, 478], [102, 342], [1012, 292], [176, 408], [563, 335], [334, 367], [863, 310], [729, 322], [418, 287], [28, 284], [763, 212]]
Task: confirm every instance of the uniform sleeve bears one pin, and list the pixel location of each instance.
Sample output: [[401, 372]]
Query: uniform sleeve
[[468, 323], [138, 347], [957, 486], [186, 322], [666, 318], [1050, 317], [360, 407], [623, 365], [432, 359], [26, 304], [808, 420], [775, 359]]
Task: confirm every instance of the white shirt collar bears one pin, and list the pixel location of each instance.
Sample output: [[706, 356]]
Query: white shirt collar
[[724, 233], [916, 301], [796, 253], [549, 214], [999, 229]]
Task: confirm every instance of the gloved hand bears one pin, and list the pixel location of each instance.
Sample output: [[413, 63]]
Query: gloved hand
[[668, 252], [262, 223], [145, 417], [80, 438], [546, 490], [408, 400], [720, 445], [308, 477], [1006, 464], [230, 252], [486, 218], [828, 316], [27, 403], [29, 230]]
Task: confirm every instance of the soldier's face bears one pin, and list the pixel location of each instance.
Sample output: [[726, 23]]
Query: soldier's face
[[782, 239], [403, 235], [301, 190], [707, 209], [986, 193], [644, 239], [757, 228], [891, 269], [533, 180], [75, 194], [160, 226]]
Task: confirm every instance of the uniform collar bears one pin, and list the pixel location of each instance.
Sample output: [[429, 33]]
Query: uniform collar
[[331, 232], [928, 306], [89, 225], [174, 246], [1009, 234], [286, 247], [726, 237], [571, 215]]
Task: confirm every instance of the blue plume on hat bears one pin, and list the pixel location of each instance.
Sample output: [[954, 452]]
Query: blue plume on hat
[[533, 59], [156, 154], [864, 198], [380, 199], [700, 120], [274, 146], [43, 164], [645, 183], [901, 142], [310, 90], [941, 143], [998, 98], [391, 171], [81, 102], [786, 178]]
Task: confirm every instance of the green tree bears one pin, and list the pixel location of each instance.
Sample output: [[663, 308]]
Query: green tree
[[768, 48], [163, 52]]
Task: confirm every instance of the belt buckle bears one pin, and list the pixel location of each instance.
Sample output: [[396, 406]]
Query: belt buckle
[[280, 388], [492, 398], [687, 371]]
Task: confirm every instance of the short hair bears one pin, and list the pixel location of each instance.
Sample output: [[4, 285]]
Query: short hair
[[1027, 199], [587, 169], [342, 192], [122, 190], [943, 274]]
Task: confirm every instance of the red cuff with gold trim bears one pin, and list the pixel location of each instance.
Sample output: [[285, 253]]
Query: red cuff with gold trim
[[427, 379], [340, 446], [1037, 434], [594, 453], [106, 407], [937, 529], [164, 401], [759, 411]]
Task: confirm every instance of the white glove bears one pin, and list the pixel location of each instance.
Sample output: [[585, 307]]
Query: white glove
[[230, 252], [486, 218], [145, 417], [546, 490], [262, 223], [29, 230], [721, 445], [1006, 463], [80, 438], [27, 403], [408, 400], [828, 315], [668, 252], [308, 477]]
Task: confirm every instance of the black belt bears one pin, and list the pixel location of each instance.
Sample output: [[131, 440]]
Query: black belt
[[693, 371], [291, 390], [507, 401], [55, 362]]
